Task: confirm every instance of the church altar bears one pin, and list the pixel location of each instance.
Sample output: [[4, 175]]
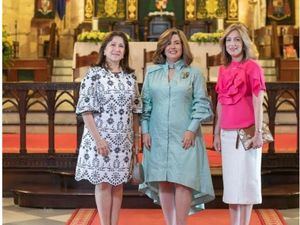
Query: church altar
[[137, 51]]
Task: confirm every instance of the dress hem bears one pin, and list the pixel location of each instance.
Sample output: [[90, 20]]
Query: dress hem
[[96, 183]]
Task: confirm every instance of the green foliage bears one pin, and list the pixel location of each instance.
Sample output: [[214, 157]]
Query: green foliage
[[7, 48]]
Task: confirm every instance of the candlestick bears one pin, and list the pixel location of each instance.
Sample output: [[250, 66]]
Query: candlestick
[[220, 24], [95, 23]]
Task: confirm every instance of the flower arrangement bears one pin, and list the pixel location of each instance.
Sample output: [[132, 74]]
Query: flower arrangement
[[94, 36], [7, 48], [206, 37]]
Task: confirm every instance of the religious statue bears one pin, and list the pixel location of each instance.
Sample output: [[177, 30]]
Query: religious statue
[[161, 7], [44, 9], [279, 9]]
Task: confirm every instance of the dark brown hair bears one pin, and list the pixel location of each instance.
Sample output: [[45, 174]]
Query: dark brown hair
[[159, 56], [124, 63]]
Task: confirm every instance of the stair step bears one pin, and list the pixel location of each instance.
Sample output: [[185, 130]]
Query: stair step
[[62, 78], [277, 196], [270, 72], [63, 63], [62, 71], [267, 62]]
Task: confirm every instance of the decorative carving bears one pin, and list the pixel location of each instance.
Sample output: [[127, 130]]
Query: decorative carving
[[211, 7], [190, 12], [232, 10], [201, 11], [277, 94], [88, 10], [207, 9], [108, 9], [132, 9]]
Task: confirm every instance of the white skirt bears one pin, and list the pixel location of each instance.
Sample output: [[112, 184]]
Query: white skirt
[[241, 171]]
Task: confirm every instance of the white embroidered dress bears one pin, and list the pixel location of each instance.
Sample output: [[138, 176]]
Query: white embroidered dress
[[112, 98]]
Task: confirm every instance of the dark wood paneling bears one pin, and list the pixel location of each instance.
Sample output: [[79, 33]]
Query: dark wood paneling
[[288, 69]]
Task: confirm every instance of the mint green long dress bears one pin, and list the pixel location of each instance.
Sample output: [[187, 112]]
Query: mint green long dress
[[169, 109]]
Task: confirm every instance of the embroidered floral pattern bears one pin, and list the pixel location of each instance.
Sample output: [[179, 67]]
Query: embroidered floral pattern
[[112, 100]]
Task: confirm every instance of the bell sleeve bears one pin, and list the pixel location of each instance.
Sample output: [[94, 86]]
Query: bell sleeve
[[89, 93], [201, 105], [137, 101], [257, 79], [147, 105]]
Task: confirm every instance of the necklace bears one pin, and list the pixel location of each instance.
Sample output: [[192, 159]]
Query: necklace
[[171, 66]]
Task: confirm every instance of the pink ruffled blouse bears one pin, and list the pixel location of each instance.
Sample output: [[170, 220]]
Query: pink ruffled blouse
[[236, 84]]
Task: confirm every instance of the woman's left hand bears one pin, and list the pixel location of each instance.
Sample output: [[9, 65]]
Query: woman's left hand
[[257, 140], [188, 139]]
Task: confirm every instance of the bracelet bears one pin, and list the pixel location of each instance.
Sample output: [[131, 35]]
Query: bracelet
[[258, 130]]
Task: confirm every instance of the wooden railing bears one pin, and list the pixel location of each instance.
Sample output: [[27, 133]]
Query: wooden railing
[[22, 96]]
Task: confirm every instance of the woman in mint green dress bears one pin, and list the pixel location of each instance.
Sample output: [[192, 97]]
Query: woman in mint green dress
[[175, 103]]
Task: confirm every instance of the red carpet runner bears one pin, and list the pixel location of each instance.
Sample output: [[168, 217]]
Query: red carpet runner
[[155, 217]]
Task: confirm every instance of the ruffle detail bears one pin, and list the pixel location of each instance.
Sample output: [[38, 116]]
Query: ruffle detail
[[233, 86]]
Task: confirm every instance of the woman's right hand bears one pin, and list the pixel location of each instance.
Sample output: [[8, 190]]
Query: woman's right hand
[[147, 140], [217, 142], [102, 147]]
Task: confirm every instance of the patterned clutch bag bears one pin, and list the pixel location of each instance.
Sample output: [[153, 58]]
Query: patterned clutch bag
[[136, 169], [245, 135]]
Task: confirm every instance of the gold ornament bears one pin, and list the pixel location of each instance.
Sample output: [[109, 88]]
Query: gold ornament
[[110, 7], [88, 10]]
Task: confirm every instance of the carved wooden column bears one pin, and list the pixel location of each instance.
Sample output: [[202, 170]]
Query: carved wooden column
[[51, 117], [22, 103]]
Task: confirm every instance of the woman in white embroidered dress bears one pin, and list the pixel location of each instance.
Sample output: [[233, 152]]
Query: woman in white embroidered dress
[[108, 96]]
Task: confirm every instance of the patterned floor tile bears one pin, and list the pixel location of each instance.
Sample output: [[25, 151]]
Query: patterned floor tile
[[13, 217]]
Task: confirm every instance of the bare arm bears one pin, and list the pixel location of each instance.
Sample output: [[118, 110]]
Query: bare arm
[[90, 124], [258, 116], [217, 130], [136, 131]]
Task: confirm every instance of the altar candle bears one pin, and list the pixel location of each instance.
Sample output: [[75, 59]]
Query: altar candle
[[220, 24], [95, 23]]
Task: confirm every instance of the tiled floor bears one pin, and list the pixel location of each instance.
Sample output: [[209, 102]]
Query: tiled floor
[[15, 215]]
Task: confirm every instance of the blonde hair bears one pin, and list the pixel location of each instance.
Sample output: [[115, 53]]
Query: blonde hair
[[159, 56], [249, 48]]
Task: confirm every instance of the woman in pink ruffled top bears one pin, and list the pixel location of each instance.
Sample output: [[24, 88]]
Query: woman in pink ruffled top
[[240, 89]]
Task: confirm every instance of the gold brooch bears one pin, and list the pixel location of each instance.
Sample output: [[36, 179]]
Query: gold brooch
[[185, 74]]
